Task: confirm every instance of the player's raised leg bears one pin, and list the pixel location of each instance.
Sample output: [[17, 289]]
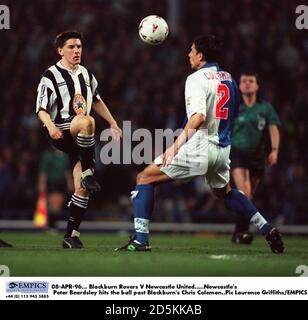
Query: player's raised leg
[[143, 204], [77, 207], [82, 129]]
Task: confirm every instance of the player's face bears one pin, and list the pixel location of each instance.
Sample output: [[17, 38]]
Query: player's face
[[248, 84], [195, 58], [71, 52]]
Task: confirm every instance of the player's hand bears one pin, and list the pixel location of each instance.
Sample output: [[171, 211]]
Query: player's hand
[[55, 133], [168, 155], [116, 132], [272, 157]]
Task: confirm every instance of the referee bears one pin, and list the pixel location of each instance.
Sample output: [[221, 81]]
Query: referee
[[248, 152], [66, 93]]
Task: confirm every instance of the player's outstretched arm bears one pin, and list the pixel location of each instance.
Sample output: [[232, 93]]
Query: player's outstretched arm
[[101, 108], [191, 126]]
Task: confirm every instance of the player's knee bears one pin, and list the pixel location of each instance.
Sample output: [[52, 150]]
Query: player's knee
[[142, 178], [79, 191], [87, 123], [221, 193], [139, 178]]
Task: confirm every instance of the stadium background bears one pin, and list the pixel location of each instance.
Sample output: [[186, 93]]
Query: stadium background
[[137, 80]]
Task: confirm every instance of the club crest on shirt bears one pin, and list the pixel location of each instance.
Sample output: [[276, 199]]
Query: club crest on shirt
[[79, 104], [261, 123]]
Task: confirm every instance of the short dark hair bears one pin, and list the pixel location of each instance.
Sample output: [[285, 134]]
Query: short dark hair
[[64, 36], [250, 73], [210, 46]]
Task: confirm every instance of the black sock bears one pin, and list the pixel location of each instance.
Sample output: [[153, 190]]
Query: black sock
[[241, 223], [53, 216], [77, 208], [52, 219], [86, 144]]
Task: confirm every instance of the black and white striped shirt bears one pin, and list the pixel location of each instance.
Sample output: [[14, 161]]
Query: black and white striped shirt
[[64, 94]]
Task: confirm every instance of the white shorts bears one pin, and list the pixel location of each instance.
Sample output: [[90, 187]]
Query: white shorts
[[212, 161]]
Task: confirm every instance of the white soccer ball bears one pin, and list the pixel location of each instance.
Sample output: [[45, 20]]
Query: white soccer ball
[[153, 30]]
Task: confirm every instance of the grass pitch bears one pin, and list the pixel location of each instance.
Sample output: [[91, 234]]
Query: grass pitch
[[41, 254]]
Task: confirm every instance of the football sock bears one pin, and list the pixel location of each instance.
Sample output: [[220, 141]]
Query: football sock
[[86, 143], [242, 205], [77, 207], [143, 204], [52, 222], [241, 223], [53, 215]]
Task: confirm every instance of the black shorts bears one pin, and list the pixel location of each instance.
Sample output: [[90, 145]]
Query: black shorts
[[253, 161], [58, 187], [68, 145]]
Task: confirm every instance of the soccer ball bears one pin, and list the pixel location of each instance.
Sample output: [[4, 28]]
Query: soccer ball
[[153, 30]]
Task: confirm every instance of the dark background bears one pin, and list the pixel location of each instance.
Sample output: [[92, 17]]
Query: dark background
[[145, 85]]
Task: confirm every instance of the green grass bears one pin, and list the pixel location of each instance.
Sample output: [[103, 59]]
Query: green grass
[[172, 255]]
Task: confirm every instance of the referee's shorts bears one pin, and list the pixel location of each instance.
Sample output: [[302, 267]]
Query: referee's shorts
[[254, 161]]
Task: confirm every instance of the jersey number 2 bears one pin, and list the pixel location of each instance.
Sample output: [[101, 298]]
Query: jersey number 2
[[222, 111]]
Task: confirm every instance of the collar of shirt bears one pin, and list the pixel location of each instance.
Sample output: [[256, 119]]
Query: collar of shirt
[[73, 72], [211, 65]]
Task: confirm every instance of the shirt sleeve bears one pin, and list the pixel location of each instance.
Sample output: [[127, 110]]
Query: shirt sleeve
[[45, 95], [272, 116], [195, 97], [94, 88]]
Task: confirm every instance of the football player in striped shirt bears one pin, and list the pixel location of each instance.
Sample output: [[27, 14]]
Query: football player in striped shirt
[[66, 93]]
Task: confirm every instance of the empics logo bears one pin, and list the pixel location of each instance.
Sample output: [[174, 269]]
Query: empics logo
[[4, 17], [27, 287], [12, 285], [302, 20]]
